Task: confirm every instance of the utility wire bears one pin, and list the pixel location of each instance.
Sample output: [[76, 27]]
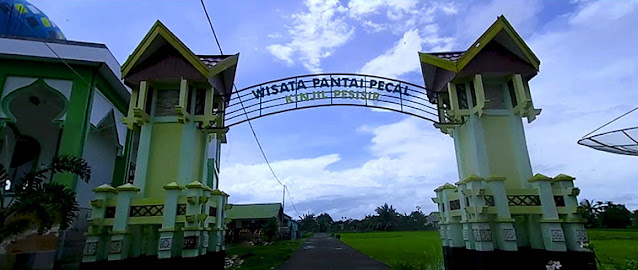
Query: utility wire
[[291, 201], [261, 149]]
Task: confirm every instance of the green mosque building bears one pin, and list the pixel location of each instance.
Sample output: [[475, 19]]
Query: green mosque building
[[146, 128]]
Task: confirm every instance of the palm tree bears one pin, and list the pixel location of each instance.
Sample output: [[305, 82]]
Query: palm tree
[[387, 217], [308, 222], [36, 200], [591, 212]]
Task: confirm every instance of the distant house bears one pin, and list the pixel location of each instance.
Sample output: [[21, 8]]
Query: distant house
[[432, 219], [291, 228], [248, 220]]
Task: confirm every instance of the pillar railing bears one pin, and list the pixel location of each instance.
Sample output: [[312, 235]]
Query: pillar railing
[[481, 214]]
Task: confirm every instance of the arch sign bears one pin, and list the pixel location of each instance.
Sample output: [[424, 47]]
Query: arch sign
[[330, 89]]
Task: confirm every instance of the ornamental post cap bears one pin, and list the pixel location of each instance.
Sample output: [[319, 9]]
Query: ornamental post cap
[[473, 177], [173, 185], [539, 177], [195, 184], [563, 177], [217, 192], [104, 188], [445, 186], [495, 178], [127, 187]]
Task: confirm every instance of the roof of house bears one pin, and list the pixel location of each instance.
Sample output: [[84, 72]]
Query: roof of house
[[254, 211], [450, 56]]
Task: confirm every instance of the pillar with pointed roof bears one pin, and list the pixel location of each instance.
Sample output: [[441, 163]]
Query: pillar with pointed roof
[[500, 212], [171, 208]]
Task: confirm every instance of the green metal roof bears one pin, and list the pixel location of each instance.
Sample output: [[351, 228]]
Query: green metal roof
[[254, 211]]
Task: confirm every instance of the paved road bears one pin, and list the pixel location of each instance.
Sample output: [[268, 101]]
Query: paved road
[[323, 252]]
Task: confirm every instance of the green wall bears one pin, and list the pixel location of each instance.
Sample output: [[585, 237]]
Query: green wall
[[163, 158]]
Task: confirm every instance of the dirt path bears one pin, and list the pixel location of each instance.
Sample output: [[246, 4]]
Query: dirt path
[[324, 252]]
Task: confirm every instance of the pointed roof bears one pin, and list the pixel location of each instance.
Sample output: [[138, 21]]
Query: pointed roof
[[159, 35], [440, 68], [500, 31]]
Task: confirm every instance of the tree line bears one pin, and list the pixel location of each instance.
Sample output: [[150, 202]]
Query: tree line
[[384, 218], [598, 214]]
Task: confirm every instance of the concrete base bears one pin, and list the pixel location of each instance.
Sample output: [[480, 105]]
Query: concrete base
[[524, 259], [212, 260]]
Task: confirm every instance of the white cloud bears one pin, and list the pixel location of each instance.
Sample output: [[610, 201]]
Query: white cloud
[[275, 35], [395, 10], [376, 27], [315, 34], [281, 52], [403, 58], [587, 78], [397, 16], [521, 14], [399, 173], [601, 11]]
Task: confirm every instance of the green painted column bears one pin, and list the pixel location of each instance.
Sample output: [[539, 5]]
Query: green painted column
[[95, 245], [120, 240], [76, 125], [504, 232], [194, 219], [167, 232], [146, 133], [481, 229], [550, 224], [465, 216], [219, 221], [575, 233]]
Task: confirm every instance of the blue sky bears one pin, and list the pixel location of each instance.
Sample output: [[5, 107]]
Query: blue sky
[[347, 161]]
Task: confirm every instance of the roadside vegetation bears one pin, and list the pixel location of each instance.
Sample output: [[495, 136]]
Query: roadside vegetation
[[408, 241], [400, 250], [258, 257]]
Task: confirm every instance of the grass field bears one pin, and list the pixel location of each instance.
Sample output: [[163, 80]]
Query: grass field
[[264, 257], [400, 250], [614, 246], [422, 250]]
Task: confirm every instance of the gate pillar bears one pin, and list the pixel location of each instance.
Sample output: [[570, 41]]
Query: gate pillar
[[166, 215], [500, 215]]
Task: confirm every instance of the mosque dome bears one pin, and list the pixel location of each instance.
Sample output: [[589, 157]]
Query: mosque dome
[[19, 18]]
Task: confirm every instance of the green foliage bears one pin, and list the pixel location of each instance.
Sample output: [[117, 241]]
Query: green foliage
[[308, 223], [324, 222], [608, 215], [37, 200], [387, 217], [270, 229], [400, 250], [590, 212], [264, 257], [615, 248], [615, 216]]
